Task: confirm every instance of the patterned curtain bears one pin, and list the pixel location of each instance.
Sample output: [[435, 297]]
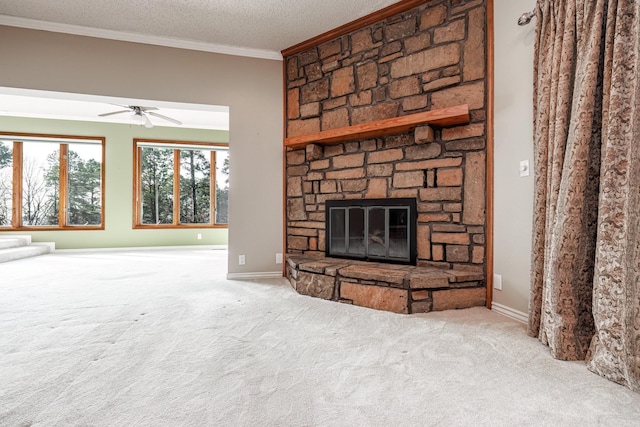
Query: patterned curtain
[[615, 349], [567, 93], [585, 242]]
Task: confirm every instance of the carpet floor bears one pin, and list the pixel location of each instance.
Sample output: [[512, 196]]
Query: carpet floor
[[161, 338]]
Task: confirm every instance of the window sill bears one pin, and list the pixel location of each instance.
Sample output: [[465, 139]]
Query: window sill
[[51, 228], [177, 227]]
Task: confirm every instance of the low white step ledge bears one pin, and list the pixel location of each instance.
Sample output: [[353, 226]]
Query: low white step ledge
[[7, 242], [25, 237], [13, 254]]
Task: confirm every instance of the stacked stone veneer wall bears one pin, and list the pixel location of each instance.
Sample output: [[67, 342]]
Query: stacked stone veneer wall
[[430, 57]]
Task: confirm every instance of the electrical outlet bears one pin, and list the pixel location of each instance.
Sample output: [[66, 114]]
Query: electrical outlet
[[278, 258], [241, 259], [524, 168], [497, 281], [199, 236]]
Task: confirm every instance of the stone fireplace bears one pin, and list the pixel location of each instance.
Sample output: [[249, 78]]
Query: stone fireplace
[[424, 59]]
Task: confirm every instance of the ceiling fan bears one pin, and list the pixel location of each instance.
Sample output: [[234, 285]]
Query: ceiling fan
[[141, 115]]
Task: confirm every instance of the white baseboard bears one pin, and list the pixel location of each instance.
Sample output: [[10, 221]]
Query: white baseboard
[[510, 312], [256, 275], [144, 248]]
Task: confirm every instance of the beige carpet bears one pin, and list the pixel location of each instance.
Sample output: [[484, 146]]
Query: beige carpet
[[160, 338]]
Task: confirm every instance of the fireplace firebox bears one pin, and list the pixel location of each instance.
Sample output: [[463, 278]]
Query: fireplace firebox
[[372, 230]]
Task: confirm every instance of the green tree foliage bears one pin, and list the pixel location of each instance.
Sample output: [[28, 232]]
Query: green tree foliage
[[225, 169], [41, 189], [85, 199], [157, 185], [51, 190], [195, 183], [6, 184], [195, 187], [5, 155], [84, 189], [222, 206], [222, 195]]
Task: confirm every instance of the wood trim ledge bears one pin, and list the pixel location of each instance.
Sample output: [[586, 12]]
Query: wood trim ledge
[[444, 117]]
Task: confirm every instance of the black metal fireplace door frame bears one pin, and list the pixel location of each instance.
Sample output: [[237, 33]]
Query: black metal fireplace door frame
[[373, 203]]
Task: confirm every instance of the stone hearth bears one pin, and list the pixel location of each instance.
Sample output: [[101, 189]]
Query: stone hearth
[[390, 287]]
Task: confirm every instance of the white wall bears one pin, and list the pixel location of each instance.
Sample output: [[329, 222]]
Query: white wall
[[252, 88], [513, 196]]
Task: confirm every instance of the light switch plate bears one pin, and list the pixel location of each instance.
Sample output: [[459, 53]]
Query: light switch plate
[[497, 281], [524, 168]]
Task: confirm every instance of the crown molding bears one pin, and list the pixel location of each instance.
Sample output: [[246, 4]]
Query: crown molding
[[79, 30]]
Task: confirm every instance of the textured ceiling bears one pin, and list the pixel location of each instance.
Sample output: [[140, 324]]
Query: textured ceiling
[[270, 25]]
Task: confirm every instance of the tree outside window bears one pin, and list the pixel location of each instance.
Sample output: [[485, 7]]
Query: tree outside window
[[173, 184], [51, 182], [6, 183], [222, 187], [157, 186]]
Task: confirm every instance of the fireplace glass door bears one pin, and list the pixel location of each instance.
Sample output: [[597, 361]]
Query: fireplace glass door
[[370, 232], [347, 231]]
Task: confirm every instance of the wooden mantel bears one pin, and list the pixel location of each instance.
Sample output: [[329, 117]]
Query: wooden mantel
[[444, 117]]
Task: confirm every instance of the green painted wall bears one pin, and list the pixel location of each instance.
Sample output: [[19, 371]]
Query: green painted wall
[[118, 230]]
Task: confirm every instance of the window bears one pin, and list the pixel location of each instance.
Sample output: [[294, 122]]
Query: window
[[174, 181], [51, 182]]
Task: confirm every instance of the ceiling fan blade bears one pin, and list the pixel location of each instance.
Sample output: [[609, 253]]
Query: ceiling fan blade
[[145, 109], [169, 119], [115, 112], [147, 122]]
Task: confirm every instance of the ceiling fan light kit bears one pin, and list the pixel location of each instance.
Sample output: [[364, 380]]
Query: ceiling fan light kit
[[136, 118]]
